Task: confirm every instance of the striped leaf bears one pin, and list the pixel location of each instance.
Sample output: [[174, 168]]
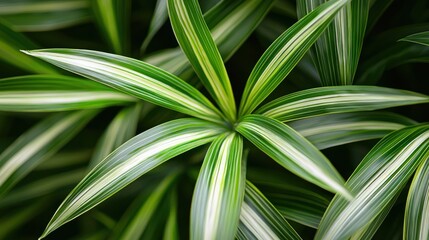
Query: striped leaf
[[112, 20], [196, 42], [45, 93], [133, 159], [419, 38], [219, 191], [336, 53], [338, 99], [10, 44], [135, 221], [338, 129], [284, 53], [43, 15], [376, 181], [121, 129], [133, 77], [292, 151], [416, 221], [37, 144], [230, 24], [159, 17], [259, 219]]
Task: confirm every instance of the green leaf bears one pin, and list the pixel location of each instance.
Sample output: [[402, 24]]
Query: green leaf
[[196, 42], [133, 159], [45, 93], [43, 15], [336, 53], [376, 181], [416, 221], [338, 129], [337, 99], [10, 44], [121, 129], [419, 38], [219, 191], [133, 77], [259, 219], [230, 23], [37, 144], [284, 53], [112, 19], [159, 17], [292, 151], [135, 221]]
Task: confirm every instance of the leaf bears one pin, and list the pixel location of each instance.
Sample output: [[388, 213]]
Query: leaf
[[37, 144], [230, 23], [139, 214], [171, 231], [419, 38], [46, 93], [134, 158], [292, 151], [338, 99], [338, 129], [196, 42], [159, 17], [10, 44], [336, 53], [376, 181], [284, 53], [417, 208], [259, 219], [133, 77], [121, 129], [112, 19], [44, 15], [219, 191]]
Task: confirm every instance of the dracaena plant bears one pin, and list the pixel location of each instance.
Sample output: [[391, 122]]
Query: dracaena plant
[[290, 130]]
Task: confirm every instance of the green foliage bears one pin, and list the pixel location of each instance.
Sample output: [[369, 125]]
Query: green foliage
[[149, 141]]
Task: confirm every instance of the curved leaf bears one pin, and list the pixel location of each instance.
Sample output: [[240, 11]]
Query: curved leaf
[[292, 151], [336, 53], [284, 53], [338, 129], [419, 38], [37, 144], [45, 93], [219, 191], [133, 77], [376, 181], [416, 220], [159, 17], [259, 219], [133, 159], [44, 15], [230, 23], [327, 100], [197, 43]]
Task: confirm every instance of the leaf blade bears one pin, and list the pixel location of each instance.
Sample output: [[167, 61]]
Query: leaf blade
[[419, 38], [196, 42], [292, 151], [284, 53], [219, 191], [133, 159]]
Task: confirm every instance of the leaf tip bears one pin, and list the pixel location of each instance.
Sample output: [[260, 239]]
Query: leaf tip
[[25, 52]]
